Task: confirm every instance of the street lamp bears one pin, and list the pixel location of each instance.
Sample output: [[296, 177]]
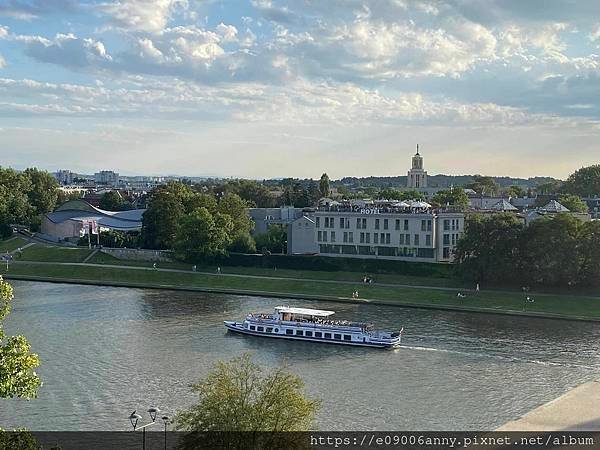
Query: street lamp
[[134, 418], [166, 420]]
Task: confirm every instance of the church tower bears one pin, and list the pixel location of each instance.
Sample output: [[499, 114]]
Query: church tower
[[417, 177]]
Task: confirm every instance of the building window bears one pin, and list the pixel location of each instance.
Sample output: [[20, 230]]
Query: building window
[[351, 236], [375, 238], [407, 239], [341, 222], [299, 333], [327, 335], [385, 224], [362, 238], [333, 236], [377, 224], [289, 332], [429, 225], [319, 236], [337, 336], [446, 239], [446, 224], [416, 239], [368, 238], [428, 240], [326, 222], [446, 253], [401, 242], [347, 337], [318, 222], [405, 224], [397, 224], [318, 334], [388, 238], [324, 236], [364, 224], [345, 236], [358, 223], [423, 225]]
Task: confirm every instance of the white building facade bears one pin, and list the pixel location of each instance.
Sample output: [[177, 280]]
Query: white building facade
[[388, 233]]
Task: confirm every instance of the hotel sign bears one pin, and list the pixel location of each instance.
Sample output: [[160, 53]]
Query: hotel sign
[[369, 211]]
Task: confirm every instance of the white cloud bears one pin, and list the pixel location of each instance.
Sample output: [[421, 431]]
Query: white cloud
[[2, 62], [227, 32], [3, 32], [142, 15]]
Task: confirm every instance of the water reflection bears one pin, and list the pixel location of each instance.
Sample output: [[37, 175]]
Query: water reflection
[[107, 351]]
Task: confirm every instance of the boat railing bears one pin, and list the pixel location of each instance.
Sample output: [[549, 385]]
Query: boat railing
[[268, 318]]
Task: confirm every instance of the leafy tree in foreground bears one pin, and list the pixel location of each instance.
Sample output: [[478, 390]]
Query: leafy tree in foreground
[[238, 395], [43, 194], [573, 203], [273, 240], [112, 201], [17, 363]]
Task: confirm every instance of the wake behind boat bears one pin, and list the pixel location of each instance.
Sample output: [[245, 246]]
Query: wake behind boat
[[314, 325]]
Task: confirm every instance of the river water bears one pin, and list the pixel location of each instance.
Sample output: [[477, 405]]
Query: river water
[[107, 351]]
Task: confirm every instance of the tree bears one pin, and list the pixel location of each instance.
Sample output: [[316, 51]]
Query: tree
[[484, 185], [197, 200], [454, 197], [550, 251], [112, 201], [236, 208], [551, 187], [314, 192], [203, 234], [17, 363], [253, 192], [515, 191], [412, 194], [573, 203], [161, 220], [243, 243], [238, 396], [43, 194], [324, 187], [14, 202], [274, 240], [488, 249], [589, 247], [390, 194], [584, 182]]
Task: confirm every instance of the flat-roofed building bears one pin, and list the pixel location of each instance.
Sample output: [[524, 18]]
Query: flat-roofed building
[[388, 230]]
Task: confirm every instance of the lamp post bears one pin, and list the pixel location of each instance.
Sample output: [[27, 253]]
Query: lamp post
[[166, 420], [134, 418]]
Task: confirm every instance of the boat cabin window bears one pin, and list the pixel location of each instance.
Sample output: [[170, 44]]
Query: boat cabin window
[[252, 327], [246, 325], [260, 329], [289, 331], [308, 333], [276, 330], [337, 336], [327, 335], [318, 334], [299, 332], [269, 330], [347, 337]]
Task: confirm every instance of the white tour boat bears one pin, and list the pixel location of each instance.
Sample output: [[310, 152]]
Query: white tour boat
[[314, 325]]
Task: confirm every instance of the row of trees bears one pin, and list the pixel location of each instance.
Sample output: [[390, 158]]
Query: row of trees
[[560, 251], [196, 224], [24, 197]]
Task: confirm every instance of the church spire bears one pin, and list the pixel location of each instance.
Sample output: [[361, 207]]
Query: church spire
[[417, 149]]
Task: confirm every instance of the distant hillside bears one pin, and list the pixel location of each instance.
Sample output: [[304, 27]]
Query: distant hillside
[[437, 181]]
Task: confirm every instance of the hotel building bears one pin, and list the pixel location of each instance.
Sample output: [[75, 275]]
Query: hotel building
[[387, 230]]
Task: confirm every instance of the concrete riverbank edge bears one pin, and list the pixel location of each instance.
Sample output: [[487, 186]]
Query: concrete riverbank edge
[[308, 297], [576, 410]]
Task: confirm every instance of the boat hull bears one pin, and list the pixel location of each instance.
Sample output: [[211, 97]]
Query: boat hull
[[238, 327]]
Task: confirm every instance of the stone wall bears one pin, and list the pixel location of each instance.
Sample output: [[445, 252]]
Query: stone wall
[[139, 254]]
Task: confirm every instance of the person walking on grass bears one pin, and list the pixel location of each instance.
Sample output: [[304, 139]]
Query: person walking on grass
[[219, 270]]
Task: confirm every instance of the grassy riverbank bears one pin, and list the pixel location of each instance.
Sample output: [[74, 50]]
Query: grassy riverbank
[[432, 297]]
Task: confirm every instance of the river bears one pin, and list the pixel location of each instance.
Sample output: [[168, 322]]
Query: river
[[106, 351]]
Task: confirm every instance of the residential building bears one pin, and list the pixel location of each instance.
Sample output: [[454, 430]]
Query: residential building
[[106, 177], [386, 230], [284, 215], [301, 237], [64, 177], [552, 209]]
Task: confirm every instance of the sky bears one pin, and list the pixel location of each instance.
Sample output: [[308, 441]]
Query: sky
[[295, 88]]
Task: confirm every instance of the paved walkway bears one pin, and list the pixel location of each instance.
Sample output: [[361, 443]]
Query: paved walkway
[[577, 410]]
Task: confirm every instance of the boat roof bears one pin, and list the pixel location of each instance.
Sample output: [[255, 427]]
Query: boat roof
[[304, 311]]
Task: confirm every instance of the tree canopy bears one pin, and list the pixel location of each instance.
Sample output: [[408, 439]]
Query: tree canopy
[[112, 201], [584, 182], [17, 363], [451, 197], [484, 185], [238, 395], [324, 186], [573, 203]]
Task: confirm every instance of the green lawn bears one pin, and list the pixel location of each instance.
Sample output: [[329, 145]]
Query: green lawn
[[11, 244], [486, 300], [49, 253]]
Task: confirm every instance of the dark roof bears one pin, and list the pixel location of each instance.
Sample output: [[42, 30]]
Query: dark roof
[[79, 210]]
